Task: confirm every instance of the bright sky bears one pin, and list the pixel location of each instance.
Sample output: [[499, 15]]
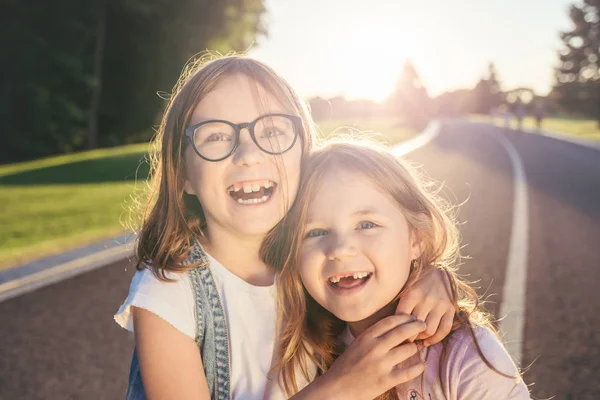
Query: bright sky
[[356, 48]]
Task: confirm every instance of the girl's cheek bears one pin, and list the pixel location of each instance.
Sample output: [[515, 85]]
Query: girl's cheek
[[308, 260]]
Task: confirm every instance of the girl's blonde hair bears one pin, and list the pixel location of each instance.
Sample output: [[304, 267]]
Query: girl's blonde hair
[[308, 330], [171, 218]]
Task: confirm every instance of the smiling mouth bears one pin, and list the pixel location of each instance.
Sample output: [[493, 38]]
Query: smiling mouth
[[349, 281], [252, 193]]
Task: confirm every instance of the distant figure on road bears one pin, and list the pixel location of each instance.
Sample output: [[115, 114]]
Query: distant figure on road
[[519, 113], [505, 112], [493, 114], [539, 115]]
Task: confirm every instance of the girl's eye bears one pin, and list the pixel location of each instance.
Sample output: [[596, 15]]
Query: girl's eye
[[367, 225], [316, 233], [271, 133], [218, 137]]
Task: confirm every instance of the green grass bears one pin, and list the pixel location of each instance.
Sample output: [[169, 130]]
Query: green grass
[[582, 128], [43, 220], [59, 203]]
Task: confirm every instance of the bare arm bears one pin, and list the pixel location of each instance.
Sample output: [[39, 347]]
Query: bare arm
[[170, 362]]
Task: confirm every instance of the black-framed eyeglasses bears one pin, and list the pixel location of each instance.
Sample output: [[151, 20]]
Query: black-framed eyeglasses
[[215, 140]]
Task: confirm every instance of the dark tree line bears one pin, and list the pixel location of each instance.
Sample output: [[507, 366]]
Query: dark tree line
[[82, 74], [577, 87]]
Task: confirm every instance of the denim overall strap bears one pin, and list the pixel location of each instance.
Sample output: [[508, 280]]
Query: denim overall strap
[[211, 332], [211, 328], [135, 387]]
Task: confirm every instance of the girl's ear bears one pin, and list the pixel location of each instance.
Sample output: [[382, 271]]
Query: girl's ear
[[416, 244], [187, 187]]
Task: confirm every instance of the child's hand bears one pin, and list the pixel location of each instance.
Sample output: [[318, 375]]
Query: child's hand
[[429, 300], [368, 367]]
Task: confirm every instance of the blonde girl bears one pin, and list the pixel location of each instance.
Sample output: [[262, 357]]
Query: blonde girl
[[202, 304], [363, 231]]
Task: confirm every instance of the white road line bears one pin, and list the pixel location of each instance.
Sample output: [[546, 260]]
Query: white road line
[[512, 309], [430, 132], [46, 277]]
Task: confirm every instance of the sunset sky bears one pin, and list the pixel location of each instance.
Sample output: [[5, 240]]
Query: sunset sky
[[356, 48]]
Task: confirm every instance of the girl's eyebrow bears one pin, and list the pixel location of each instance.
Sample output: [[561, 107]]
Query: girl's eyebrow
[[357, 213], [365, 211]]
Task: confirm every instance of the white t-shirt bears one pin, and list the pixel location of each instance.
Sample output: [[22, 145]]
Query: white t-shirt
[[250, 313], [464, 373]]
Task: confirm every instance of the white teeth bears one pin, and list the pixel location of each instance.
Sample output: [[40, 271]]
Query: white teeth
[[253, 201], [251, 187], [356, 275]]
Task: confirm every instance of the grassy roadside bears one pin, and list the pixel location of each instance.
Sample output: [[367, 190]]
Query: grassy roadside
[[59, 203]]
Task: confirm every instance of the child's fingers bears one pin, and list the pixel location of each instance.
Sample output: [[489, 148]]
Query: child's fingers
[[387, 324], [404, 374], [433, 324], [402, 333], [401, 353], [442, 331], [421, 312]]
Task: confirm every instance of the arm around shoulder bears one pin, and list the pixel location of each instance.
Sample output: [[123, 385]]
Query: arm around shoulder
[[170, 362]]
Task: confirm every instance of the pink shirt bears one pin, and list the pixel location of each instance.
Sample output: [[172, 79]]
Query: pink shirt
[[465, 376]]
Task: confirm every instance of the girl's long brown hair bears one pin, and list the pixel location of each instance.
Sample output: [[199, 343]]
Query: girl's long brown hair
[[311, 332], [171, 218]]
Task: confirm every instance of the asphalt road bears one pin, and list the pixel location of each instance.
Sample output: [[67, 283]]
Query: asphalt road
[[60, 342], [562, 325]]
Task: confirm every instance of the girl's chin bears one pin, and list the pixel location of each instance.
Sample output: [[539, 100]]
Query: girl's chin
[[367, 317], [353, 317]]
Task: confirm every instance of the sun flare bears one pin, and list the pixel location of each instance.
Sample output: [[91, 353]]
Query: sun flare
[[368, 63]]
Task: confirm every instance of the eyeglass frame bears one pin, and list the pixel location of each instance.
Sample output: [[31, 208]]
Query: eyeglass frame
[[190, 131]]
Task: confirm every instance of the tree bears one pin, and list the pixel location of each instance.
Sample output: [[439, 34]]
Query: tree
[[147, 45], [454, 103], [487, 93], [410, 99], [577, 87], [79, 74], [92, 136]]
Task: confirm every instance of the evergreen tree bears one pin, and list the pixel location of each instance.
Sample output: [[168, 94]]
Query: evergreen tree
[[577, 86], [487, 93], [410, 99]]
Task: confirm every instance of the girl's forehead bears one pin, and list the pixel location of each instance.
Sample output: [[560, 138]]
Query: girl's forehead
[[343, 190], [237, 99]]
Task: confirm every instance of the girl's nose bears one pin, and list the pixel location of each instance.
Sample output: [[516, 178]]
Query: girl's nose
[[247, 152], [342, 247]]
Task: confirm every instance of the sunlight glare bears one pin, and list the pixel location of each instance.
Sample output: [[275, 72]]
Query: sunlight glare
[[368, 63]]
